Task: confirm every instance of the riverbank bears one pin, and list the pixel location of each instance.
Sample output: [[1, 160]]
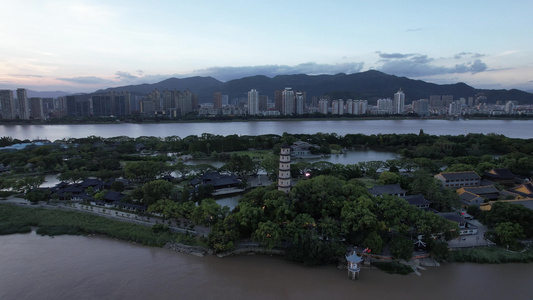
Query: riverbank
[[108, 121], [16, 219]]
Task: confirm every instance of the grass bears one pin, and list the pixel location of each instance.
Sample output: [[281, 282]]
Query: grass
[[490, 255], [12, 228], [393, 267], [254, 154], [368, 182], [14, 219]]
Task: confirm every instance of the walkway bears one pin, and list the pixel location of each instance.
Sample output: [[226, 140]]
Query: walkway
[[116, 215]]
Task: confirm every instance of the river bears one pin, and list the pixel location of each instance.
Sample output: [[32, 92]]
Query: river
[[77, 267], [509, 128]]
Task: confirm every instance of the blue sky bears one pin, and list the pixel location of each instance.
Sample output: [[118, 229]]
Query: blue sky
[[81, 46]]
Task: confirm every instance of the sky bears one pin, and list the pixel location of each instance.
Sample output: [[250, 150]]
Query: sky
[[82, 46]]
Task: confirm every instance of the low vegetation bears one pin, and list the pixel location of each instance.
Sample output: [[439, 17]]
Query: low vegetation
[[393, 267], [490, 255], [15, 219]]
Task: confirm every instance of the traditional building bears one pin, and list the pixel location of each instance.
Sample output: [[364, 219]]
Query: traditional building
[[284, 172], [458, 179]]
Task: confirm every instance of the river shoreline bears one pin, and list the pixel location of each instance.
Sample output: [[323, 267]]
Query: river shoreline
[[237, 120]]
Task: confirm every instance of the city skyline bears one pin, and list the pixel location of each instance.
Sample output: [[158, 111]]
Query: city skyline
[[82, 46]]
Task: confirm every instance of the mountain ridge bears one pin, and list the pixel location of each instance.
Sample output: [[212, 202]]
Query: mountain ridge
[[370, 85]]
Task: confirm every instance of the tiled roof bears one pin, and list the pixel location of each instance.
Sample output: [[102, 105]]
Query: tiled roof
[[391, 189], [416, 199], [459, 175], [481, 190]]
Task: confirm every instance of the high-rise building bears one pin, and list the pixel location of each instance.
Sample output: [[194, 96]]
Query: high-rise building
[[102, 105], [253, 102], [155, 97], [385, 106], [24, 107], [287, 101], [36, 109], [362, 106], [421, 107], [225, 100], [509, 107], [263, 103], [278, 96], [399, 103], [454, 108], [217, 100], [323, 106], [299, 103], [8, 104], [70, 102]]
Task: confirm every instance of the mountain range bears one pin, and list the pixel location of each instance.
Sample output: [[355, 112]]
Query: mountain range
[[370, 85]]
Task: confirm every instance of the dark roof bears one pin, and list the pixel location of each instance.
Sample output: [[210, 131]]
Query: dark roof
[[113, 196], [130, 205], [216, 179], [453, 216], [416, 200], [481, 190], [500, 173], [391, 189], [459, 175], [468, 198]]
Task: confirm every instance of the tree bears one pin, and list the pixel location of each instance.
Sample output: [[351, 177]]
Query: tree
[[401, 247], [387, 177], [269, 234], [155, 190], [374, 242], [143, 171], [118, 186], [508, 233], [440, 251], [270, 165], [36, 195], [73, 175], [224, 234], [208, 212]]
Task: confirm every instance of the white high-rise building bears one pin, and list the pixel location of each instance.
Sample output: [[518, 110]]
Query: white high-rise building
[[323, 106], [399, 103], [299, 102], [287, 101], [385, 106], [509, 107], [253, 102]]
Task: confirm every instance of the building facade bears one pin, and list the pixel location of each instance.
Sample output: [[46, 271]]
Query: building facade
[[253, 102], [399, 103]]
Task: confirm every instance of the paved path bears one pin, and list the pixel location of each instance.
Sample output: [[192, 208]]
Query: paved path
[[115, 214]]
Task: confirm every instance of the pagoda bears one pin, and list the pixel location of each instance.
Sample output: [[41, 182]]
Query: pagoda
[[354, 265], [284, 172]]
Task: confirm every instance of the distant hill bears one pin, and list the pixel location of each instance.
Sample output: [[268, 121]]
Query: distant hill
[[194, 84], [53, 94], [370, 85]]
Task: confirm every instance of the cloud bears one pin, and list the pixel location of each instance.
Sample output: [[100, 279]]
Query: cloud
[[25, 75], [87, 80], [393, 55], [418, 65], [124, 75], [469, 54], [310, 68], [414, 29]]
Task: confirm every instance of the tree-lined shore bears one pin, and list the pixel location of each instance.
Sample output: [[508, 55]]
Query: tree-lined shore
[[313, 223]]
